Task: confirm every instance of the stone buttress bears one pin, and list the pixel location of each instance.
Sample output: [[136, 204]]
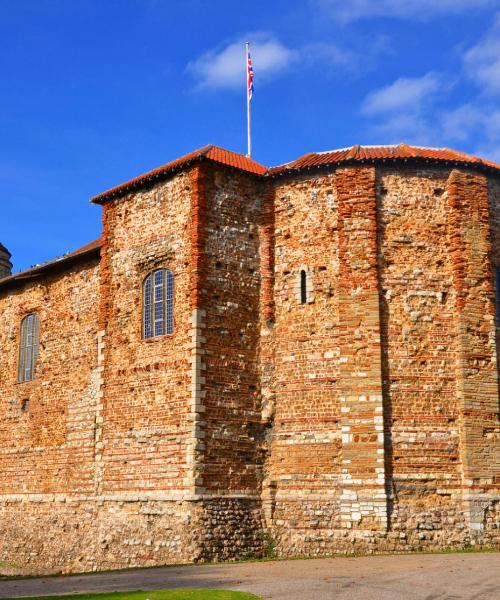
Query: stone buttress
[[477, 371], [363, 497]]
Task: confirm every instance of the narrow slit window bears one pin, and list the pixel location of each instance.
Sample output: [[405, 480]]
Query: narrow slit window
[[303, 287], [158, 304], [28, 348]]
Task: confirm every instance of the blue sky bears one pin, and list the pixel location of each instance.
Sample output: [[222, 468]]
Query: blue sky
[[95, 92]]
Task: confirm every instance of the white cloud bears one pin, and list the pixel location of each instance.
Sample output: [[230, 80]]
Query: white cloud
[[458, 124], [395, 118], [421, 10], [422, 110], [401, 111], [482, 62], [406, 94], [409, 128], [226, 68], [474, 123], [326, 54]]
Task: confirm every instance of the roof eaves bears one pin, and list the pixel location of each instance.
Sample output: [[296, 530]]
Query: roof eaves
[[155, 174], [290, 169], [209, 152], [85, 252]]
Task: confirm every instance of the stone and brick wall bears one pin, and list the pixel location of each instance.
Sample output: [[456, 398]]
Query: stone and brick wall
[[227, 470], [411, 377], [146, 428], [358, 414], [300, 355], [477, 372], [230, 297], [48, 425], [419, 353]]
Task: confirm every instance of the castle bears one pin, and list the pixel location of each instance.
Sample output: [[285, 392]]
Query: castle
[[299, 360]]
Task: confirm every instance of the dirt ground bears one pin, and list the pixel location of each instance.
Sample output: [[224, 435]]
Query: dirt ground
[[409, 577]]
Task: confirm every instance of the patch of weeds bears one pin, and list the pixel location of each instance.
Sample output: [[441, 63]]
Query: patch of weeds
[[268, 545], [462, 550], [180, 594]]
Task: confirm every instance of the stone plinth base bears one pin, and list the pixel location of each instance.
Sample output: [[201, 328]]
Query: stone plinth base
[[47, 535]]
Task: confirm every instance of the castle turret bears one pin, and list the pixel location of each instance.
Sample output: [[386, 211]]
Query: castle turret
[[5, 264]]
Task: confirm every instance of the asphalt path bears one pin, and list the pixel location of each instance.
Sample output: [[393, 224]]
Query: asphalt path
[[408, 577]]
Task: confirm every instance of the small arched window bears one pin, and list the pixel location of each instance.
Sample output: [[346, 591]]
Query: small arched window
[[158, 304], [303, 286], [28, 347]]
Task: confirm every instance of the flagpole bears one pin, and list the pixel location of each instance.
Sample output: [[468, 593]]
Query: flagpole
[[249, 138]]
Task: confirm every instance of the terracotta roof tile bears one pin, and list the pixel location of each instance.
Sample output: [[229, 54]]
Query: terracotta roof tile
[[210, 152], [401, 152], [353, 154], [88, 249]]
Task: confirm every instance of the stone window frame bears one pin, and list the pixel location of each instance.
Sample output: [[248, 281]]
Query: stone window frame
[[305, 276], [152, 326], [29, 337]]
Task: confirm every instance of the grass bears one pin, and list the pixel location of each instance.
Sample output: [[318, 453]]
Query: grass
[[157, 595]]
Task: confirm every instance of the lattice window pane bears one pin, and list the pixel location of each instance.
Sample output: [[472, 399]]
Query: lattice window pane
[[22, 350], [159, 302], [146, 308], [28, 348], [35, 339], [169, 303]]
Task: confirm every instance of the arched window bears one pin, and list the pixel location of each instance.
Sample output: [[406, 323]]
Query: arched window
[[158, 304], [28, 347], [303, 286]]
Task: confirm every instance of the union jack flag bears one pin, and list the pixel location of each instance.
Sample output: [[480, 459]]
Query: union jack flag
[[249, 76]]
